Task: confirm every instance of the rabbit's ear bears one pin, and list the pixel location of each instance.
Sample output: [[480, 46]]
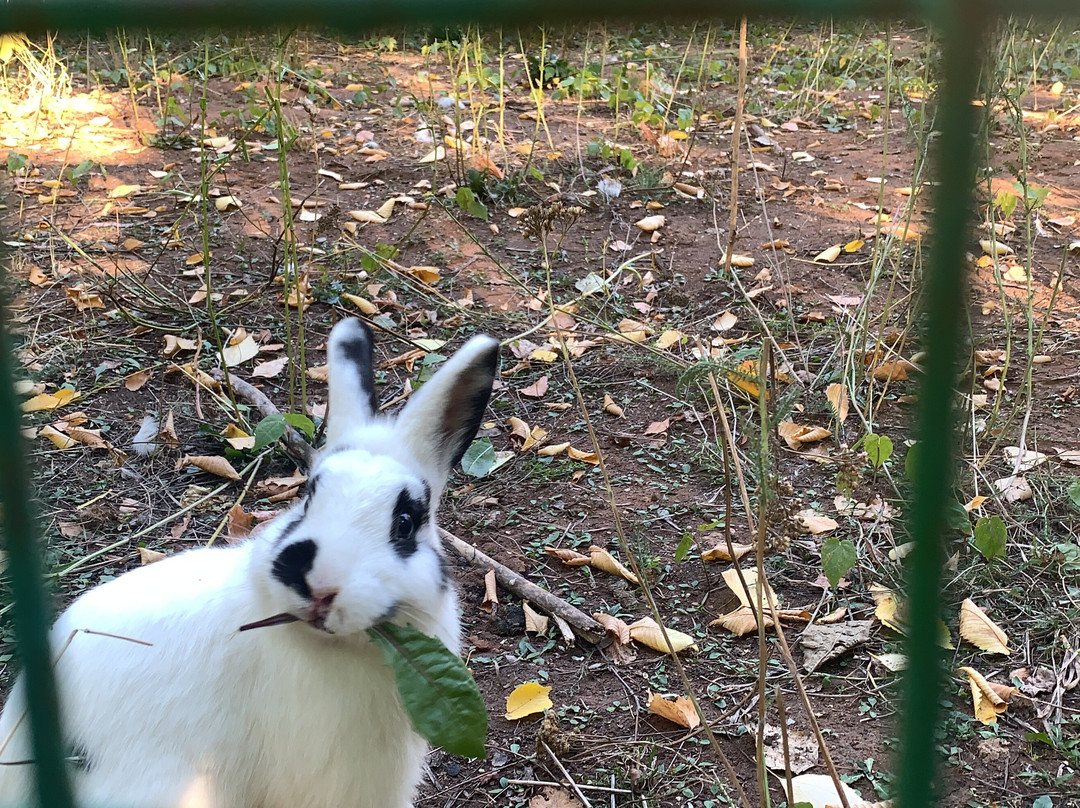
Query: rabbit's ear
[[441, 418], [350, 358]]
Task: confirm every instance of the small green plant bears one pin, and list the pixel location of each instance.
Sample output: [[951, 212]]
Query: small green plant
[[838, 556]]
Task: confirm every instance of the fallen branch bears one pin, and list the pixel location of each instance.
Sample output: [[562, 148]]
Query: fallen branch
[[583, 625], [304, 454], [298, 448]]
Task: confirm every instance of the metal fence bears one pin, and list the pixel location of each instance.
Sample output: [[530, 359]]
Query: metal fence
[[963, 27]]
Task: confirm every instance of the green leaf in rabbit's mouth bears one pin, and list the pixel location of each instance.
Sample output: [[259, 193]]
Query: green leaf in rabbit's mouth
[[436, 689]]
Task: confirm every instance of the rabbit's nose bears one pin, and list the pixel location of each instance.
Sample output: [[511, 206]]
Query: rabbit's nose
[[321, 602]]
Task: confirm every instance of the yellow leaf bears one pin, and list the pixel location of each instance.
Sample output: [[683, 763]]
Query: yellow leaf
[[240, 353], [748, 595], [527, 699], [238, 438], [648, 633], [720, 552], [980, 630], [741, 261], [224, 203], [611, 408], [585, 457], [553, 449], [990, 699], [49, 401], [362, 303], [890, 613], [601, 559], [854, 246], [976, 502], [740, 622], [427, 275], [543, 355], [680, 711], [815, 523], [668, 338], [123, 190], [651, 224], [367, 216], [838, 400], [795, 435], [211, 464], [569, 557], [827, 256], [58, 438]]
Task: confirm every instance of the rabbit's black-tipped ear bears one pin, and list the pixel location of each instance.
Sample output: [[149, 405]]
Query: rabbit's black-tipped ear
[[441, 418], [350, 356]]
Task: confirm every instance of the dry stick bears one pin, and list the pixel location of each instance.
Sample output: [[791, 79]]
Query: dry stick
[[294, 442], [740, 100], [784, 647], [585, 627], [566, 774]]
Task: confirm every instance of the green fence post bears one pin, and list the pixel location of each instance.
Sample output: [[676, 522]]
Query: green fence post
[[31, 613], [963, 27]]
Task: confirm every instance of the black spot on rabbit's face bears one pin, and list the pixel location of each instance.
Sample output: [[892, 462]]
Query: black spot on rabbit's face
[[410, 515], [292, 565]]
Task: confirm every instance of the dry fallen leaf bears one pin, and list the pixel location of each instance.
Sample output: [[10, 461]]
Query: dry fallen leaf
[[1013, 489], [650, 224], [535, 622], [601, 559], [271, 368], [980, 630], [828, 255], [838, 400], [211, 464], [527, 699], [720, 552], [585, 457], [669, 338], [680, 711], [239, 524], [990, 699], [741, 622], [49, 401], [241, 352], [537, 389], [137, 379], [658, 427], [797, 435], [815, 523], [491, 593], [58, 438], [648, 633], [569, 557], [611, 408], [147, 556]]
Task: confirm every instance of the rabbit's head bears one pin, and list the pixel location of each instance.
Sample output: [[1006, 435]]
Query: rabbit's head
[[363, 547]]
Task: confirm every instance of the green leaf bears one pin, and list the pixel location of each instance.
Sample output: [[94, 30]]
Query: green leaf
[[269, 430], [1043, 802], [685, 543], [991, 536], [479, 458], [16, 161], [911, 463], [1074, 493], [298, 421], [467, 201], [878, 449], [837, 559], [436, 689]]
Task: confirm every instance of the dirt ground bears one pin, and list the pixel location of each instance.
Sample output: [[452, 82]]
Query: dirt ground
[[107, 275]]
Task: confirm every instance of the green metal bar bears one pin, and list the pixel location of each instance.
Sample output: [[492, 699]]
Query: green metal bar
[[39, 16], [31, 613], [964, 34]]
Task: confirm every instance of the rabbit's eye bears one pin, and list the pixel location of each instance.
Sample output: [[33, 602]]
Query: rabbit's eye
[[405, 527]]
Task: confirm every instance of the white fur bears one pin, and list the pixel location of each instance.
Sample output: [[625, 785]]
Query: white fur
[[284, 716]]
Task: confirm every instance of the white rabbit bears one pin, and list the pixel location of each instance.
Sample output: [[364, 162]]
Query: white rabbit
[[300, 715]]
